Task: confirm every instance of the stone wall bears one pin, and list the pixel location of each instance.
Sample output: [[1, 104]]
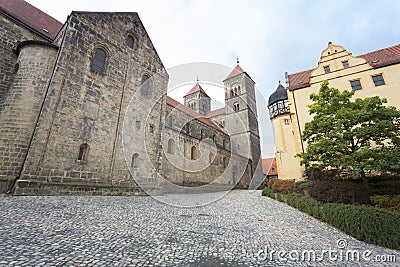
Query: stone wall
[[84, 107], [23, 105]]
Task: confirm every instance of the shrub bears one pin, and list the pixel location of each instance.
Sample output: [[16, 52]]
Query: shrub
[[370, 224], [384, 186], [386, 201], [301, 186], [281, 185], [339, 192]]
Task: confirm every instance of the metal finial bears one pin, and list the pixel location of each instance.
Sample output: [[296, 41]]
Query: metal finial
[[197, 78], [237, 60], [279, 82]]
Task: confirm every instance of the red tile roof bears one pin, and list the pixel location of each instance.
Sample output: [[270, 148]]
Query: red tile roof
[[172, 102], [300, 79], [383, 57], [236, 71], [269, 166], [377, 59], [31, 17], [195, 89], [215, 113]]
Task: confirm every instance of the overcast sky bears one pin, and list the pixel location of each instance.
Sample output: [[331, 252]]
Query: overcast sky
[[269, 37]]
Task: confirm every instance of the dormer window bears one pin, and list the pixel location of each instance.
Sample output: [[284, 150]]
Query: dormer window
[[327, 69]]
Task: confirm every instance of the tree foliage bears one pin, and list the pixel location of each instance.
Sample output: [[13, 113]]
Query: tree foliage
[[355, 135]]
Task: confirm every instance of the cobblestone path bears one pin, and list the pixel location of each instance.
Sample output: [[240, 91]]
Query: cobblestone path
[[241, 229]]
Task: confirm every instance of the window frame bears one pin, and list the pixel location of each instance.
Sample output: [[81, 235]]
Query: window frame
[[327, 69], [130, 37], [347, 63], [360, 84], [376, 75], [94, 66], [144, 81]]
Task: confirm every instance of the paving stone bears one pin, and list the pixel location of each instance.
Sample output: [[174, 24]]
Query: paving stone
[[141, 231]]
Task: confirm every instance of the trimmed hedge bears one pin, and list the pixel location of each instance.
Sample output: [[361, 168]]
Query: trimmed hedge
[[369, 224], [339, 192]]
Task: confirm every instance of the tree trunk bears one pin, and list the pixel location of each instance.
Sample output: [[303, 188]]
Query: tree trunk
[[364, 179]]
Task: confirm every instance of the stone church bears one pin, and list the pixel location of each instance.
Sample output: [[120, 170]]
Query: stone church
[[73, 112]]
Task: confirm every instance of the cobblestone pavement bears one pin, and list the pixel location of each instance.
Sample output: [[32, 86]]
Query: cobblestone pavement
[[241, 229]]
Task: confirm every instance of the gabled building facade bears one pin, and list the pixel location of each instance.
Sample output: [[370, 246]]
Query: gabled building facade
[[372, 74]]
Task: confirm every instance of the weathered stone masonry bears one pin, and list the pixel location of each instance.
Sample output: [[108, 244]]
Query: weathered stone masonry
[[69, 128]]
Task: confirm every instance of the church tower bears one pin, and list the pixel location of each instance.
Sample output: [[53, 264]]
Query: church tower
[[198, 100], [241, 120]]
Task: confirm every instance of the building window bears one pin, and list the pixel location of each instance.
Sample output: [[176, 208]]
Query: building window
[[187, 128], [99, 60], [151, 129], [137, 124], [201, 134], [327, 69], [210, 158], [135, 160], [171, 146], [16, 67], [356, 85], [286, 122], [145, 87], [345, 64], [236, 106], [130, 41], [378, 80], [193, 153], [83, 152], [170, 121], [222, 122], [272, 169]]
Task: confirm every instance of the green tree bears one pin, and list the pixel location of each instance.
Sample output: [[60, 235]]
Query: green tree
[[355, 135]]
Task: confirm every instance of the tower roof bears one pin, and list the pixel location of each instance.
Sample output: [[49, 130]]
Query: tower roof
[[279, 94], [197, 88], [236, 71]]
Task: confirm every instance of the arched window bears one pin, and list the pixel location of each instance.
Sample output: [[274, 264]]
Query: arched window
[[236, 106], [238, 91], [99, 60], [193, 153], [170, 121], [210, 158], [232, 94], [130, 41], [187, 129], [145, 87], [201, 134], [171, 146], [235, 91], [83, 152], [135, 160]]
